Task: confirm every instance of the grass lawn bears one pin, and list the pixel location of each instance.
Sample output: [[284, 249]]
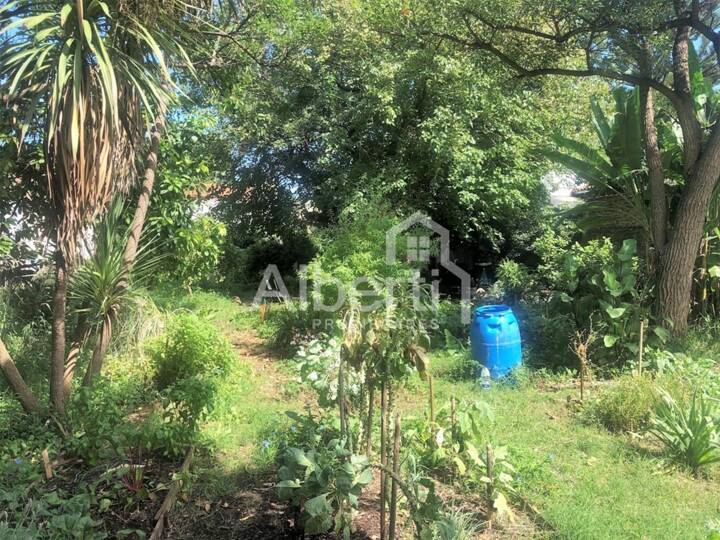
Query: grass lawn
[[583, 480]]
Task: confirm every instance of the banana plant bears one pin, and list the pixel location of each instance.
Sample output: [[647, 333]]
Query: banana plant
[[615, 170]]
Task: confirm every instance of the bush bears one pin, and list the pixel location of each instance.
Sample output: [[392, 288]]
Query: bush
[[96, 417], [546, 337], [191, 347], [627, 405], [514, 280], [318, 366], [176, 425], [450, 328], [325, 485]]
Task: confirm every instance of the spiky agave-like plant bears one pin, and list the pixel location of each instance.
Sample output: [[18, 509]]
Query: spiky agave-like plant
[[106, 280]]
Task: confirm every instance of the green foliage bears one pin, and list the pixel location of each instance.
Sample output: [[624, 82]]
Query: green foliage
[[450, 445], [355, 247], [681, 374], [602, 289], [28, 345], [171, 430], [192, 241], [105, 280], [290, 324], [626, 405], [29, 511], [447, 327], [97, 416], [199, 247], [193, 347], [690, 430], [324, 484], [455, 525], [514, 279], [318, 364], [244, 266]]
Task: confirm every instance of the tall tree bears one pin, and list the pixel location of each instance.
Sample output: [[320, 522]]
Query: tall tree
[[85, 77], [592, 38]]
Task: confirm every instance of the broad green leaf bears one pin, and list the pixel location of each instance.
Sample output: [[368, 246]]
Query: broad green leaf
[[609, 340], [318, 505], [628, 250], [615, 312]]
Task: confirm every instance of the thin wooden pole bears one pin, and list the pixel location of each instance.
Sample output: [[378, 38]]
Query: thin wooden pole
[[642, 346], [370, 411], [396, 473], [432, 402], [383, 455]]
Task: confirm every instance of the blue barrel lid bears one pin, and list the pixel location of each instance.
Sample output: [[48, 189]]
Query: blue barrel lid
[[493, 309]]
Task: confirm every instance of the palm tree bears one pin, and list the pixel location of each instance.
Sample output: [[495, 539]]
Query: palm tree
[[88, 77]]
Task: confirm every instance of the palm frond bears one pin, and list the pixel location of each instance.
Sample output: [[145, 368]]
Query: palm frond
[[89, 76]]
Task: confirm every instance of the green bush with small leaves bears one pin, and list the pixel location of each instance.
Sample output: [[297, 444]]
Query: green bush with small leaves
[[191, 347]]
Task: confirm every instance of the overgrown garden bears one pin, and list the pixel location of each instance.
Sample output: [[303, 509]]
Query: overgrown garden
[[203, 332]]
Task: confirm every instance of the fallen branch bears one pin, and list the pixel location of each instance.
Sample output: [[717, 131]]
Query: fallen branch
[[173, 492]]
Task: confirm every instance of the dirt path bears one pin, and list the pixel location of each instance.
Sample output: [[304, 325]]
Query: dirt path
[[241, 502]]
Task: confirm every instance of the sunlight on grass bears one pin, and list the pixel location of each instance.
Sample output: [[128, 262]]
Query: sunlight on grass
[[585, 481]]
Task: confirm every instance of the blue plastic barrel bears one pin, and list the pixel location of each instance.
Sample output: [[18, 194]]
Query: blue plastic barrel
[[495, 339]]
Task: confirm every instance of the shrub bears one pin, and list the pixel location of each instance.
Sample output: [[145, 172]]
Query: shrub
[[690, 431], [96, 415], [191, 347], [627, 405], [450, 328], [289, 325], [325, 485], [514, 279], [174, 426], [318, 365]]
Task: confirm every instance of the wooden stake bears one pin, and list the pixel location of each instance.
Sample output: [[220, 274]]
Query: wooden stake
[[173, 492], [383, 456], [341, 403], [432, 402], [370, 414], [46, 464], [396, 473], [642, 346]]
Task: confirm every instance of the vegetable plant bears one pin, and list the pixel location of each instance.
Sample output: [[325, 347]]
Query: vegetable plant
[[324, 484]]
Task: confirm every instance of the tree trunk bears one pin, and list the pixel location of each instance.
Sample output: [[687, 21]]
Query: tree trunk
[[27, 399], [692, 132], [653, 159], [138, 221], [674, 290], [131, 247], [101, 346], [57, 365], [78, 341]]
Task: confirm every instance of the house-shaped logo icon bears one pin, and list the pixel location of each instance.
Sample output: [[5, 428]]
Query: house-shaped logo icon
[[418, 249]]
